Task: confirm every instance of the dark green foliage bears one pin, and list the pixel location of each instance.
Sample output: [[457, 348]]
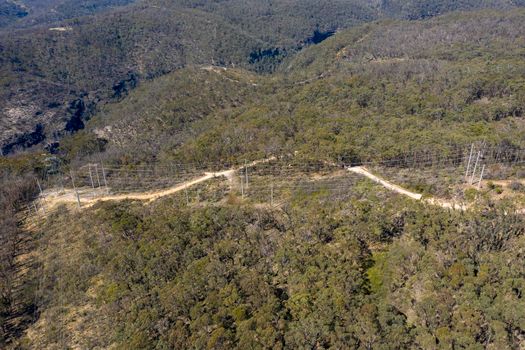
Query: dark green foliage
[[446, 270], [417, 9], [225, 277], [26, 13], [302, 277], [364, 94], [10, 12], [100, 58]]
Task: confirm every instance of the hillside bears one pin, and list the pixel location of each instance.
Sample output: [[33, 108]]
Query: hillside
[[27, 13], [265, 175], [65, 75], [328, 268], [56, 78], [165, 114], [10, 12], [292, 17], [424, 9], [64, 64], [391, 87]]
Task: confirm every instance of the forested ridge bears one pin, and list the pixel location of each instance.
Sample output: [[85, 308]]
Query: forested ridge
[[374, 92], [64, 59], [27, 13], [291, 251]]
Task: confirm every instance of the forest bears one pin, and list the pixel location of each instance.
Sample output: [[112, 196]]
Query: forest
[[66, 53], [353, 271], [409, 87]]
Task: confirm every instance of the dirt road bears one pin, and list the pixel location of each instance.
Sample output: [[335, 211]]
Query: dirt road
[[398, 189], [362, 171], [51, 199]]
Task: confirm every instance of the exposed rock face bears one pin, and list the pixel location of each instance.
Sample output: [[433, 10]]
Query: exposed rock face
[[124, 86], [27, 123], [25, 140], [11, 11]]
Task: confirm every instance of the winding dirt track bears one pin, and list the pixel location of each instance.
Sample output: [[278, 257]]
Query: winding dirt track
[[362, 171], [398, 189], [51, 201]]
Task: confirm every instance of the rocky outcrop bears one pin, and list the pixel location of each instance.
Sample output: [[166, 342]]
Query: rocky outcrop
[[25, 140]]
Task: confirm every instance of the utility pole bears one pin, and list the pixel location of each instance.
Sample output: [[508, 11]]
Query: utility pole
[[91, 178], [242, 188], [35, 208], [39, 187], [33, 217], [98, 177], [518, 157], [246, 172], [75, 188], [30, 215], [187, 197], [43, 209], [481, 177], [475, 168], [469, 161], [104, 177], [271, 194], [41, 195]]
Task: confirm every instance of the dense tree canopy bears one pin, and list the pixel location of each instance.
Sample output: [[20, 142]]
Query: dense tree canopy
[[318, 274]]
